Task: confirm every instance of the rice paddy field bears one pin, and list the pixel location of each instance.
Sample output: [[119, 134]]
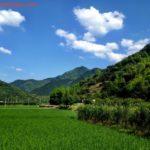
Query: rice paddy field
[[32, 128]]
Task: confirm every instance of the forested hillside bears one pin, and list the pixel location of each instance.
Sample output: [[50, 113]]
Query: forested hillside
[[11, 94], [116, 96], [67, 79], [29, 85], [128, 78]]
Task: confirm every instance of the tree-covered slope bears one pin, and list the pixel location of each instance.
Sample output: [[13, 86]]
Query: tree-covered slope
[[29, 85], [12, 94], [67, 79], [128, 78]]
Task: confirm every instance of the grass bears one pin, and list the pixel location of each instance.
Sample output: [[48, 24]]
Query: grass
[[22, 128]]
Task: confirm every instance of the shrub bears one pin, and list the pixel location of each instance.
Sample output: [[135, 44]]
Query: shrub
[[141, 120], [76, 106], [137, 119]]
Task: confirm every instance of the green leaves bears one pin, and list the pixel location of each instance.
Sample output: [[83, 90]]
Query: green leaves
[[11, 95], [135, 118], [63, 95], [128, 78]]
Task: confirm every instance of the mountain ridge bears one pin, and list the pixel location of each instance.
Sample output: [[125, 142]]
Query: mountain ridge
[[43, 87]]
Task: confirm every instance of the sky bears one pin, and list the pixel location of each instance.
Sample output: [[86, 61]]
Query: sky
[[52, 37]]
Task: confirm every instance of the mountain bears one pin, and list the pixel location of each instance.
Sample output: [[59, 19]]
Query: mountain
[[128, 78], [67, 79], [29, 85], [12, 94]]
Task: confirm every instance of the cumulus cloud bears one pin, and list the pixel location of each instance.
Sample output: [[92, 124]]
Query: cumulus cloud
[[133, 46], [66, 35], [5, 51], [93, 47], [99, 50], [97, 23], [116, 57], [10, 18], [89, 37]]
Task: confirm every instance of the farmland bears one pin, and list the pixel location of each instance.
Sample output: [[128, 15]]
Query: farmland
[[23, 127]]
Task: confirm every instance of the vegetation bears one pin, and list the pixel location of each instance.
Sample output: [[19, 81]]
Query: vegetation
[[64, 95], [12, 95], [67, 79], [137, 119], [44, 87], [129, 78], [29, 85], [34, 128], [119, 94], [124, 82]]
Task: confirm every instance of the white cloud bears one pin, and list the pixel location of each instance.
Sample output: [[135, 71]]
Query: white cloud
[[99, 50], [10, 18], [93, 47], [89, 37], [5, 51], [126, 42], [66, 35], [19, 69], [116, 57], [133, 46], [112, 46], [97, 23]]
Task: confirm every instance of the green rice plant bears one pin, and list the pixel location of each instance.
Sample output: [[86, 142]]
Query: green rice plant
[[33, 128]]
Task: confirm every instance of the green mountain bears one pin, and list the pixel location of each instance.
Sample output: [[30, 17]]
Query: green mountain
[[29, 85], [128, 78], [12, 94], [67, 79]]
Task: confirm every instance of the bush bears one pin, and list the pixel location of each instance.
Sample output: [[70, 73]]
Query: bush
[[141, 120], [119, 102], [76, 106], [63, 96], [137, 119]]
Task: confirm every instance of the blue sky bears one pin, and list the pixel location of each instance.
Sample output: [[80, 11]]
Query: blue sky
[[56, 36]]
